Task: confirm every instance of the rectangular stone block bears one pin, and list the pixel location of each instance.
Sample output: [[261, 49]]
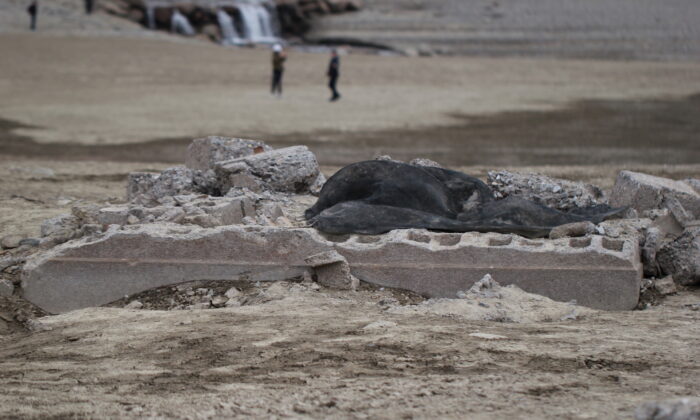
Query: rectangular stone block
[[646, 192], [596, 271], [130, 259]]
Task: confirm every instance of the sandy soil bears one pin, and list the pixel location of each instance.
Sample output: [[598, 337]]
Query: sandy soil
[[324, 354], [609, 29], [114, 90], [78, 113]]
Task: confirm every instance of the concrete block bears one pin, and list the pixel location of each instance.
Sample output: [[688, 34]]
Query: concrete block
[[206, 152], [115, 215], [646, 192], [333, 270], [599, 272], [291, 169], [131, 259]]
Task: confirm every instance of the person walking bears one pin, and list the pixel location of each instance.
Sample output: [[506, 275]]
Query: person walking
[[33, 11], [333, 73], [278, 59], [89, 4]]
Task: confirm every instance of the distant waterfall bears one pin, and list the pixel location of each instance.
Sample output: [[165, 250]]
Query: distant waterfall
[[150, 17], [257, 22], [228, 29], [179, 24]]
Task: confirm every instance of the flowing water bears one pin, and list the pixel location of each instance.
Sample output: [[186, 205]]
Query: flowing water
[[257, 23], [179, 24], [229, 34]]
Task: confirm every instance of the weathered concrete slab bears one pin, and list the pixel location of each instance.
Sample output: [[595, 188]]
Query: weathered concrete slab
[[646, 192], [595, 271], [132, 259]]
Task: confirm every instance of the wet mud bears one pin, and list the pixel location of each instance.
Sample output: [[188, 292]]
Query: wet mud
[[592, 132]]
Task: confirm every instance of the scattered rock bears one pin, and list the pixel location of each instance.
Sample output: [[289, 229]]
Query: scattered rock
[[332, 270], [219, 301], [675, 409], [134, 305], [30, 242], [572, 230], [556, 193], [681, 258], [486, 336], [315, 188], [679, 213], [11, 241], [386, 157], [292, 169], [665, 286], [205, 153], [378, 325], [232, 293], [646, 192], [139, 187], [7, 263], [59, 224], [36, 325], [114, 215], [651, 245], [6, 288], [148, 189], [694, 183], [425, 162]]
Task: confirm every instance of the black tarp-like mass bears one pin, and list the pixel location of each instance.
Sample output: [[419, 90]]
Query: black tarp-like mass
[[377, 196]]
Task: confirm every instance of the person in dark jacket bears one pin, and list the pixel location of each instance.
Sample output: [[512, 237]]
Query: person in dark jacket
[[33, 11], [278, 59], [333, 73], [89, 4]]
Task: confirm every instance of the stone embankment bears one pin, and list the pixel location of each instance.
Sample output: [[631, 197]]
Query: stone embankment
[[294, 17], [234, 212]]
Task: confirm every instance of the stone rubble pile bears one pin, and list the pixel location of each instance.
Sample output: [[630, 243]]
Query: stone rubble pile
[[234, 212], [687, 408], [213, 295], [665, 211], [556, 193], [226, 182]]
